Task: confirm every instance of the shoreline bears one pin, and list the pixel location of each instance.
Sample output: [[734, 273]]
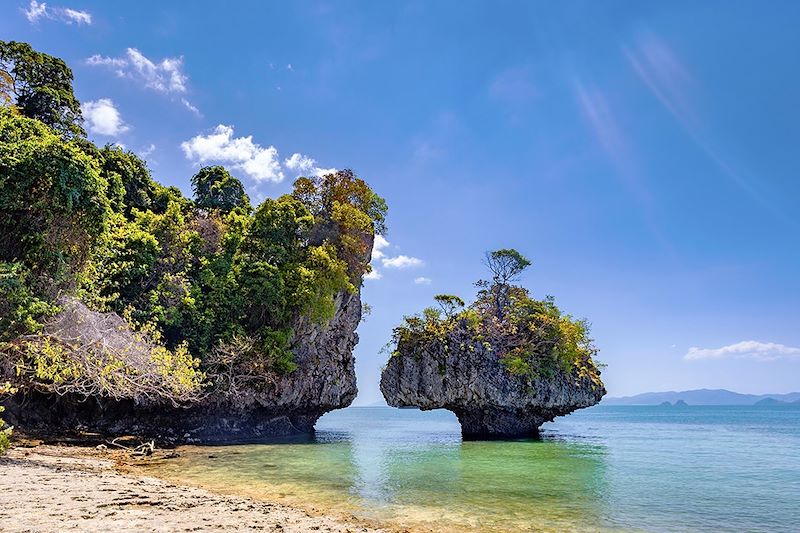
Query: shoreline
[[71, 488]]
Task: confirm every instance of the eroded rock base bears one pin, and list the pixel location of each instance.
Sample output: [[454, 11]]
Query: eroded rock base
[[499, 423], [67, 419]]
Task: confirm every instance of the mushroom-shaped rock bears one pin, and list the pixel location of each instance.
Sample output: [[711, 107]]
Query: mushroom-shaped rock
[[504, 365], [468, 378]]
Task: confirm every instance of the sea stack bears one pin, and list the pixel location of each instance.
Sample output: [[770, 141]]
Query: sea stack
[[472, 382], [504, 365]]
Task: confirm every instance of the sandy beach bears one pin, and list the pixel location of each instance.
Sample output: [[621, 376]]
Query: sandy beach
[[63, 488]]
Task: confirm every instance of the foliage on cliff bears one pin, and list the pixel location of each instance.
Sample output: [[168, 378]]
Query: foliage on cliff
[[532, 338], [190, 277], [5, 431]]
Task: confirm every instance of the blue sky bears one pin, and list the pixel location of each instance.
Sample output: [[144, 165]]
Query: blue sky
[[642, 154]]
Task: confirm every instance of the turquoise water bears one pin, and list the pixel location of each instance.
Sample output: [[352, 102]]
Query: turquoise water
[[605, 469]]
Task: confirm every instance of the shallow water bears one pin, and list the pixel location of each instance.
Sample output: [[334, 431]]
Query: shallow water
[[605, 469]]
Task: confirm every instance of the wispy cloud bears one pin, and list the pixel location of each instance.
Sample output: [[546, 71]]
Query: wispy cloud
[[759, 351], [165, 76], [79, 17], [422, 280], [147, 151], [609, 135], [611, 138], [37, 11], [655, 63], [514, 88], [188, 105], [103, 118], [667, 78]]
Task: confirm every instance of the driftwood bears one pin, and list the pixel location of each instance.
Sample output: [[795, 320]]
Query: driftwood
[[142, 450]]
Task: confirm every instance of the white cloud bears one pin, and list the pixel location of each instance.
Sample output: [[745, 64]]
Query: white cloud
[[373, 274], [79, 17], [147, 152], [102, 118], [401, 261], [103, 61], [38, 10], [165, 76], [760, 351], [379, 249], [302, 165], [299, 163], [188, 105], [220, 146], [378, 246], [422, 280]]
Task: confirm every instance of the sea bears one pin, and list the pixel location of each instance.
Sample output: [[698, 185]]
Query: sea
[[606, 468]]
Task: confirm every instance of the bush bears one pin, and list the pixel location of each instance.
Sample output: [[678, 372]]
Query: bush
[[531, 338], [5, 431]]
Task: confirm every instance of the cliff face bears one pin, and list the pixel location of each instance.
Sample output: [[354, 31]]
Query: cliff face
[[288, 404], [473, 383]]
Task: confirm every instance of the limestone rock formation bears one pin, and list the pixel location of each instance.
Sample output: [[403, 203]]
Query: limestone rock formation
[[466, 376], [288, 404]]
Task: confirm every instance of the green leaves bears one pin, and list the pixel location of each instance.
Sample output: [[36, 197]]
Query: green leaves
[[531, 338], [53, 203], [80, 220], [42, 85], [215, 188]]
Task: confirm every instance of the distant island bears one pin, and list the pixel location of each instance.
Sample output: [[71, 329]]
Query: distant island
[[703, 397]]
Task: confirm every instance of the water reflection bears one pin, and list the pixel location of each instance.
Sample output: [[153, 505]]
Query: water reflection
[[606, 468], [412, 468]]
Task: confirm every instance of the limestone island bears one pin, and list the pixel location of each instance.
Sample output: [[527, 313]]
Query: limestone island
[[504, 365], [127, 308]]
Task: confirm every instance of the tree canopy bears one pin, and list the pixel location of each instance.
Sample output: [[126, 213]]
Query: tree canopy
[[40, 85], [191, 278], [215, 188], [531, 338]]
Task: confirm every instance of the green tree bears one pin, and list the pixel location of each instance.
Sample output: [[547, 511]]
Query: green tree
[[53, 203], [348, 215], [505, 266], [449, 304], [215, 188], [266, 262], [128, 178], [41, 86]]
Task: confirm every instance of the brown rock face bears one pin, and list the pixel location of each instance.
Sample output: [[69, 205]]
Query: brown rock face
[[489, 401], [289, 404]]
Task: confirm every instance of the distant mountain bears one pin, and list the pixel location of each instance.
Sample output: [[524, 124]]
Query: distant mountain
[[769, 401], [700, 397]]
